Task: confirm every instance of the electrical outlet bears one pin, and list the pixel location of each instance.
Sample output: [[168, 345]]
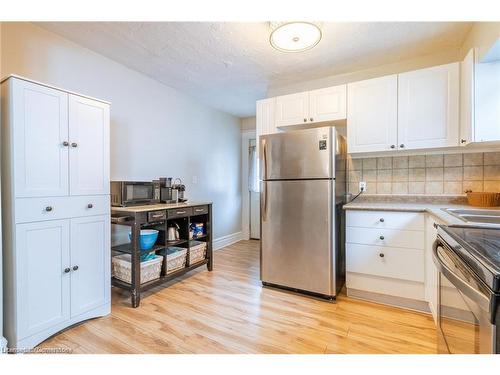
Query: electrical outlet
[[362, 186]]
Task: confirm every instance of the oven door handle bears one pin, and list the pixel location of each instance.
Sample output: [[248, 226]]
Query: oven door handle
[[477, 296]]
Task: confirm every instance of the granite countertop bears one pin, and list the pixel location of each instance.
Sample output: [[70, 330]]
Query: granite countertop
[[432, 206], [160, 206]]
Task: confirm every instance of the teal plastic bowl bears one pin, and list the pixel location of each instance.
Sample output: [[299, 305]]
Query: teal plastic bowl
[[147, 239]]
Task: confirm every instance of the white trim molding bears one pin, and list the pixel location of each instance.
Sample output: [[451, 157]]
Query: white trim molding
[[224, 241], [246, 136], [3, 345]]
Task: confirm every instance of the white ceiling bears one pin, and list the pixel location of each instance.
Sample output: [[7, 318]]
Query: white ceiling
[[230, 65]]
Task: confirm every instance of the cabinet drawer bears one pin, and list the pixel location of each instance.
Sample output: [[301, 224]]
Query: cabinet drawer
[[52, 208], [200, 210], [179, 212], [386, 219], [386, 237], [399, 263]]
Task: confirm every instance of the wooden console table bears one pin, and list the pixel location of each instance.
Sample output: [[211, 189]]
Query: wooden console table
[[159, 216]]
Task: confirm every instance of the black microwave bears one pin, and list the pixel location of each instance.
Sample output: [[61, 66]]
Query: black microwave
[[129, 193]]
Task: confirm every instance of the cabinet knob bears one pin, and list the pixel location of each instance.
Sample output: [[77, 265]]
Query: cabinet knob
[[74, 144], [75, 268], [402, 145], [311, 119], [381, 237], [305, 120], [381, 255], [67, 269], [90, 205], [65, 143], [463, 141], [382, 220], [393, 146], [48, 208]]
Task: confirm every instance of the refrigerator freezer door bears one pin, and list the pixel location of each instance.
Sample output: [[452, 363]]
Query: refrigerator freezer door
[[296, 240], [302, 154]]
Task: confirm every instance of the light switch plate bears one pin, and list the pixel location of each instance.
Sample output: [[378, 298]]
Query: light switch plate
[[362, 186]]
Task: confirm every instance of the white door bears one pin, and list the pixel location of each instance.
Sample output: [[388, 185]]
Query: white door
[[292, 109], [40, 135], [89, 146], [372, 110], [328, 104], [90, 263], [42, 266], [467, 99], [428, 107]]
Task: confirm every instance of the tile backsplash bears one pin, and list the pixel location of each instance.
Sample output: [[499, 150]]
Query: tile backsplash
[[442, 174]]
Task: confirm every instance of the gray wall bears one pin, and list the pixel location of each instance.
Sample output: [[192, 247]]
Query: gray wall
[[155, 130]]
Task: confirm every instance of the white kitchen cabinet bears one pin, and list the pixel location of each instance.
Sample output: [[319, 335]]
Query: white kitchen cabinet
[[39, 139], [372, 107], [55, 210], [90, 262], [292, 109], [467, 122], [265, 119], [428, 107], [43, 285], [89, 146], [328, 104]]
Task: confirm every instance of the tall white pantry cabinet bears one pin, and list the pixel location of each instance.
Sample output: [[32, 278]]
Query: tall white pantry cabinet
[[55, 210]]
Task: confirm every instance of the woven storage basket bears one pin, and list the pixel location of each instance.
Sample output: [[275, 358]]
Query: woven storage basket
[[150, 269], [176, 258], [197, 251], [483, 199]]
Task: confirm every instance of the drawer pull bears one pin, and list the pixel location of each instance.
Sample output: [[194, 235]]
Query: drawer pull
[[65, 143], [381, 237], [381, 255], [67, 269], [382, 220], [75, 268], [90, 205], [48, 208], [180, 212], [74, 145], [199, 210]]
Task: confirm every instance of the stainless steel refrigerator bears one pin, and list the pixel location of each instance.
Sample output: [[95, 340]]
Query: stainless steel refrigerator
[[303, 186]]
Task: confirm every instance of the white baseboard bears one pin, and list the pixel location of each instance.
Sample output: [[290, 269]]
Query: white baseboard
[[3, 345], [224, 241]]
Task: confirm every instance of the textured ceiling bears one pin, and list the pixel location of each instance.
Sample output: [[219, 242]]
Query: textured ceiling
[[230, 65]]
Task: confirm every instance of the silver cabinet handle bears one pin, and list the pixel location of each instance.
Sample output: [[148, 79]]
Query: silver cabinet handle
[[74, 144], [180, 212], [48, 208], [75, 268], [90, 205], [402, 145], [463, 141], [305, 120], [381, 255], [393, 146], [382, 220], [381, 237], [65, 143], [67, 269], [311, 119], [199, 209]]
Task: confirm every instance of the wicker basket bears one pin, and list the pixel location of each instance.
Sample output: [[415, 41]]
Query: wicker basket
[[176, 258], [122, 269], [483, 199], [197, 251]]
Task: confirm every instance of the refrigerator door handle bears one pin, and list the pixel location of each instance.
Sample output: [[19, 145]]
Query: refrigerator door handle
[[264, 162], [264, 200]]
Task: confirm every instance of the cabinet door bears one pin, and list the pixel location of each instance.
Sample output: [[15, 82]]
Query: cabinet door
[[43, 285], [467, 99], [292, 109], [431, 272], [265, 119], [428, 107], [90, 255], [40, 128], [372, 115], [327, 104], [89, 146]]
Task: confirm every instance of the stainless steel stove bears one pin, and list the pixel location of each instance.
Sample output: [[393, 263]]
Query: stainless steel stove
[[468, 258]]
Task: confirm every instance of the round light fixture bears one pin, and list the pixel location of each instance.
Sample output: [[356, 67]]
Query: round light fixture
[[294, 36]]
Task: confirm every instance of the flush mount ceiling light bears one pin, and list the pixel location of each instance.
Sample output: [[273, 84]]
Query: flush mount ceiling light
[[294, 36]]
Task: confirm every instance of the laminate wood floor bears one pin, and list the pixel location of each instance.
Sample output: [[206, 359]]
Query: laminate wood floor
[[228, 311]]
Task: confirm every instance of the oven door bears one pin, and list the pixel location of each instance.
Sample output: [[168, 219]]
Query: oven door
[[464, 307]]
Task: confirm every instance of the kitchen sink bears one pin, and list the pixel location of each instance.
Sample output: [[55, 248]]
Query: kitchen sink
[[475, 215]]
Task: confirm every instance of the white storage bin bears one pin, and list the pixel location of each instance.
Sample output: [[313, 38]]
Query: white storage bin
[[176, 258], [150, 269], [197, 251]]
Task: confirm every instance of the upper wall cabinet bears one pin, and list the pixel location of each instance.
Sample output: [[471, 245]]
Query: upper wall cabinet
[[315, 106], [428, 107], [480, 100], [41, 154], [372, 115], [264, 118], [60, 142]]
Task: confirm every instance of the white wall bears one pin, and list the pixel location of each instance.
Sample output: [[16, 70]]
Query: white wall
[[155, 130], [482, 36], [2, 339]]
